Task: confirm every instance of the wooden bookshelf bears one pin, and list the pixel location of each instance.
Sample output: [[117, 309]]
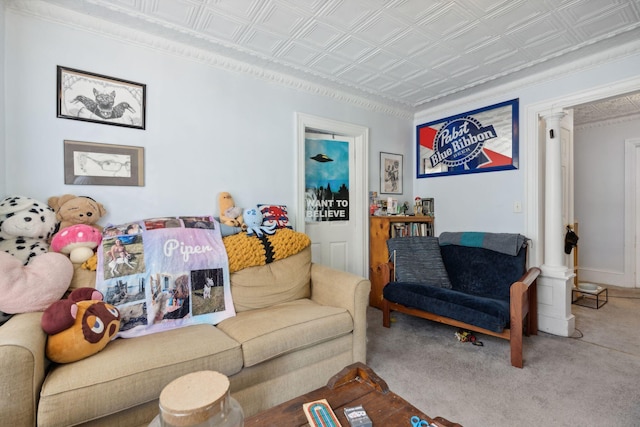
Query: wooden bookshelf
[[382, 228]]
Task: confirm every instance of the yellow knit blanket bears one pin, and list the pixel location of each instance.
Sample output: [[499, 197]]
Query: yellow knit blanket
[[246, 250]]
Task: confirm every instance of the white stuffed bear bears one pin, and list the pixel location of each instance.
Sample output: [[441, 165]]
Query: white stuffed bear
[[25, 227], [31, 277]]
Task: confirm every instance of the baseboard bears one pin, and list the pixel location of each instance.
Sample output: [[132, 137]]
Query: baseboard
[[613, 278]]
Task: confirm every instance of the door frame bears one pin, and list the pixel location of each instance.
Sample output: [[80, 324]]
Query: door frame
[[359, 194], [535, 174], [631, 202]]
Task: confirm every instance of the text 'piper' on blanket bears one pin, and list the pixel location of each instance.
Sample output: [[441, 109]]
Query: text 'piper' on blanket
[[165, 273]]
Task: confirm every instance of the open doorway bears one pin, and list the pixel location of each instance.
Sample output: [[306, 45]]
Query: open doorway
[[554, 299], [607, 135]]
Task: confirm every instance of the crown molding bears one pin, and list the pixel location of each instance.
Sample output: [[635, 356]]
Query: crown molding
[[544, 73], [79, 21], [609, 122]]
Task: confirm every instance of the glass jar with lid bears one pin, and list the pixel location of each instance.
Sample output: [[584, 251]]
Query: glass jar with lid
[[199, 399]]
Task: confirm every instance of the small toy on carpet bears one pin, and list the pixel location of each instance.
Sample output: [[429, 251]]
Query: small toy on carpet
[[467, 336]]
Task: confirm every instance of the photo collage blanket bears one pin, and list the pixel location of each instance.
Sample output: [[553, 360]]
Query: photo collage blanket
[[165, 273]]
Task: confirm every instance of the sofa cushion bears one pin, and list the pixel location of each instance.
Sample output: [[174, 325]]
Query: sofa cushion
[[271, 332], [82, 278], [417, 259], [483, 272], [488, 313], [266, 285], [131, 372]]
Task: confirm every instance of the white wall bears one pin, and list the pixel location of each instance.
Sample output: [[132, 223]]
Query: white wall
[[484, 201], [208, 130], [473, 202], [600, 198], [3, 175]]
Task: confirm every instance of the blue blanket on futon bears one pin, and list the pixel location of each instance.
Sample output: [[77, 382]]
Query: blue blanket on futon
[[506, 243]]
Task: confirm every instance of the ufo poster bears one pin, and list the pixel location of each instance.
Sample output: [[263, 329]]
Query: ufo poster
[[326, 180], [482, 140]]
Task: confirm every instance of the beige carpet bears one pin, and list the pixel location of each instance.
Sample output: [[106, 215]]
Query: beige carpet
[[593, 379]]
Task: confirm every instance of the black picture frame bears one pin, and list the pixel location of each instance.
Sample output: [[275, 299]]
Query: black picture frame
[[391, 171], [91, 163], [91, 97]]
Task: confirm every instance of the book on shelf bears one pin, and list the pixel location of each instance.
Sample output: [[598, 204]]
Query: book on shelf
[[401, 229]]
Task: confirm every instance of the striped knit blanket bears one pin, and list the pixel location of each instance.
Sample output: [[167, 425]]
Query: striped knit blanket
[[246, 250]]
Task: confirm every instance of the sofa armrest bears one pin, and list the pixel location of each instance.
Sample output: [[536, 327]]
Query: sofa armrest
[[341, 289], [22, 368]]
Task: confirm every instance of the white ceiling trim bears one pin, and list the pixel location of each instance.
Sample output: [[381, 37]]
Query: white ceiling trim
[[507, 86], [90, 24], [608, 122]]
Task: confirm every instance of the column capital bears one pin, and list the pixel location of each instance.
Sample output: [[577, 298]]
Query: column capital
[[553, 115]]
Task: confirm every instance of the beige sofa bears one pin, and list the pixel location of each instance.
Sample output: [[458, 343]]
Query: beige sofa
[[297, 324]]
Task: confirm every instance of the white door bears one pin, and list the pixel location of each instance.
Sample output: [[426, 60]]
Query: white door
[[332, 192]]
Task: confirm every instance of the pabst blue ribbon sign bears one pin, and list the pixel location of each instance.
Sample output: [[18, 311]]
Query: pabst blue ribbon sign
[[482, 140]]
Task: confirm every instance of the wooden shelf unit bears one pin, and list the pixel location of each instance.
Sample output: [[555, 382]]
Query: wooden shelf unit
[[382, 228]]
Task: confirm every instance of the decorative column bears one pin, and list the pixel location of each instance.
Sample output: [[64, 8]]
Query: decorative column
[[556, 281], [553, 227]]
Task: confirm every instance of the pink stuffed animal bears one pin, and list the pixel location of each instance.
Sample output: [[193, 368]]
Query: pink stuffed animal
[[78, 241], [35, 286]]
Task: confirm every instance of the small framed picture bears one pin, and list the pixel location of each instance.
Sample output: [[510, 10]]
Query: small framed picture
[[90, 163], [390, 173], [101, 99], [392, 206]]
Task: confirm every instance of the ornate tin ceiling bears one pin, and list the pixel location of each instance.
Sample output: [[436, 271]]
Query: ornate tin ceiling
[[407, 54]]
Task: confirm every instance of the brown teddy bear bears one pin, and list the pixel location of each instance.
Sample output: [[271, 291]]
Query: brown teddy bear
[[230, 214], [72, 210]]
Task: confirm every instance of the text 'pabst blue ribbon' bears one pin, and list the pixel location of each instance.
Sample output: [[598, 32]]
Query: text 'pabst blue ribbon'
[[460, 141]]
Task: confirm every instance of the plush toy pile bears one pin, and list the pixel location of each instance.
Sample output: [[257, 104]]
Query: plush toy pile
[[40, 243], [31, 277]]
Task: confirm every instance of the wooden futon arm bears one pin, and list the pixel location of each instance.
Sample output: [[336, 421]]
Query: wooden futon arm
[[385, 272], [530, 276], [523, 309]]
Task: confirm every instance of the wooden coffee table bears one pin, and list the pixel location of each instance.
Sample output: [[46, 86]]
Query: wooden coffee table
[[355, 385]]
